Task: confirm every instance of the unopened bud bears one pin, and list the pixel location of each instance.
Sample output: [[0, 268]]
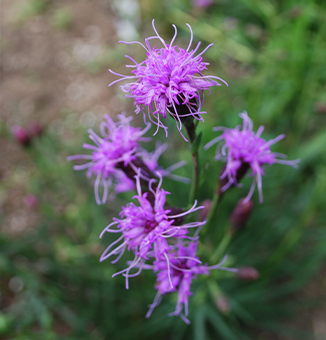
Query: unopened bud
[[222, 303], [240, 214], [204, 212], [247, 274], [21, 135]]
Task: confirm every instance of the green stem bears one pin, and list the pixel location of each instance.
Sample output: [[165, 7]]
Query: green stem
[[194, 185], [221, 248], [191, 131]]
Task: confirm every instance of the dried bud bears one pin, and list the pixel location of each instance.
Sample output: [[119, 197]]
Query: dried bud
[[21, 135], [247, 274], [240, 214], [31, 201], [204, 212], [35, 129], [222, 303]]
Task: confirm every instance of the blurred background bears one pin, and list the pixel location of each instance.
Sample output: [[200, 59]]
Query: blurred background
[[55, 57]]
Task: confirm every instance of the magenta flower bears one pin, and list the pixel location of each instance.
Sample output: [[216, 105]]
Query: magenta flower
[[176, 274], [145, 229], [170, 77], [242, 147], [118, 145]]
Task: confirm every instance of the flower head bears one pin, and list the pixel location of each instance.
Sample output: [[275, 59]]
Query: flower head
[[118, 145], [145, 228], [176, 274], [170, 79], [245, 148]]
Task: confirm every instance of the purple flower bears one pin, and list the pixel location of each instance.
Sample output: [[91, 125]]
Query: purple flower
[[21, 135], [168, 78], [118, 145], [176, 274], [145, 229], [242, 147]]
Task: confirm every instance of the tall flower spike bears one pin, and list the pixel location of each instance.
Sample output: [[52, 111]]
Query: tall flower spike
[[118, 146], [169, 80], [243, 148], [176, 274], [145, 229]]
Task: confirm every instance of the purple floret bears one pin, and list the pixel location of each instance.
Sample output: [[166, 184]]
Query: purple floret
[[176, 272], [118, 144], [243, 146], [169, 77], [145, 229]]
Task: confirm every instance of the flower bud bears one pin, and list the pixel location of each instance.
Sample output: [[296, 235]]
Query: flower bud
[[240, 214], [202, 215], [21, 135], [247, 274], [222, 303]]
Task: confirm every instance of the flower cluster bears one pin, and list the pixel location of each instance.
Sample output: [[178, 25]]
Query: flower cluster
[[145, 230], [164, 238], [244, 149], [169, 80]]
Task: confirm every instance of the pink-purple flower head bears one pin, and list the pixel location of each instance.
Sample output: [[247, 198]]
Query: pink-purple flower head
[[145, 229], [242, 146], [176, 274], [168, 78], [118, 144]]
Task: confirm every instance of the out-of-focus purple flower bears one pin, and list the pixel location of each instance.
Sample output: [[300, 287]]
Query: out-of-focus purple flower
[[243, 147], [176, 274], [31, 201], [202, 3], [118, 145], [170, 77], [145, 229], [21, 135]]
